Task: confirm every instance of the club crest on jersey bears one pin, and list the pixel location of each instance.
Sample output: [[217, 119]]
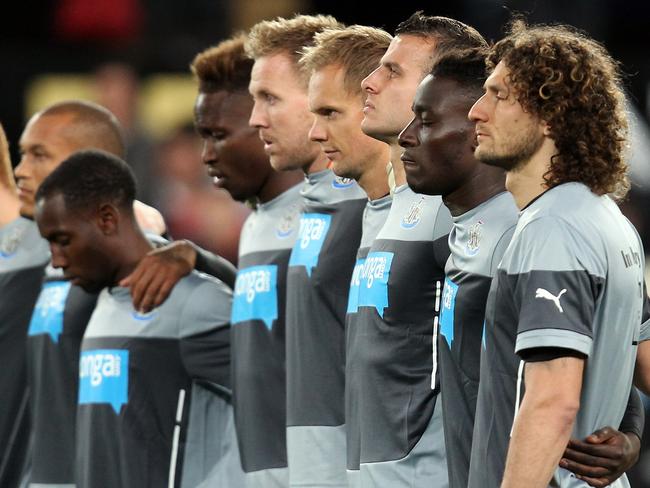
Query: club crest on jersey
[[373, 281], [104, 377], [288, 223], [311, 236], [339, 182], [447, 311], [144, 316], [256, 296], [414, 215], [474, 238], [9, 243], [47, 317], [353, 295]]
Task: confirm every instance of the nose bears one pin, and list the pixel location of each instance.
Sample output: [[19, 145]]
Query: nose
[[58, 258], [369, 83], [477, 112], [408, 136], [317, 132], [21, 171], [258, 117], [208, 151]]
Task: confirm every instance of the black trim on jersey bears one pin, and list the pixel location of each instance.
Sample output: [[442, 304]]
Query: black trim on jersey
[[541, 354]]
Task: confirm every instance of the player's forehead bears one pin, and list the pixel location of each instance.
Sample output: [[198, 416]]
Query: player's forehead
[[274, 73], [407, 51]]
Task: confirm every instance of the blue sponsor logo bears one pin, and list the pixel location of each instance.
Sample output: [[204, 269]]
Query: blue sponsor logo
[[339, 182], [104, 377], [47, 317], [312, 234], [256, 295], [353, 297], [373, 281], [447, 311]]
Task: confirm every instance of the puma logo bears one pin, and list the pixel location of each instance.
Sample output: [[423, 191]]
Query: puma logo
[[542, 293]]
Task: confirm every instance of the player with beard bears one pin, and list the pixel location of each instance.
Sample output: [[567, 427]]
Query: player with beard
[[567, 297]]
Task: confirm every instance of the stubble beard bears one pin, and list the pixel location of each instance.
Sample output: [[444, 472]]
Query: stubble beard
[[515, 154]]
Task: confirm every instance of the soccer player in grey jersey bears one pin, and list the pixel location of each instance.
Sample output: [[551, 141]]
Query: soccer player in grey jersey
[[281, 115], [567, 296], [393, 365], [234, 157], [440, 140], [438, 159], [323, 256], [23, 256], [134, 430], [62, 311]]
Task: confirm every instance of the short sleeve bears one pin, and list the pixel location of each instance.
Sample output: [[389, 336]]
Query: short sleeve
[[556, 282], [205, 331]]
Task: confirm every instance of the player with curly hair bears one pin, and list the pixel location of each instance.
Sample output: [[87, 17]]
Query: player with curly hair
[[567, 297]]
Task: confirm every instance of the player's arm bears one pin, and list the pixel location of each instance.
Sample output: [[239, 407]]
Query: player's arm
[[606, 454], [159, 271], [642, 366], [544, 421]]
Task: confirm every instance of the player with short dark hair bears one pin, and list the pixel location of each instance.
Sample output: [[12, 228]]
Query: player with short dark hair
[[150, 385]]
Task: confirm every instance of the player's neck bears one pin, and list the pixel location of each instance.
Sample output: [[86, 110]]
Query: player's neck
[[278, 182], [321, 163], [485, 182], [9, 206], [526, 182], [133, 246], [398, 166], [374, 181]]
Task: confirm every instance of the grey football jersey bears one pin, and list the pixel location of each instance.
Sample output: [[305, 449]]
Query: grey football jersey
[[23, 256], [318, 280], [398, 291], [140, 378], [55, 332], [374, 217], [258, 335], [571, 278], [477, 242]]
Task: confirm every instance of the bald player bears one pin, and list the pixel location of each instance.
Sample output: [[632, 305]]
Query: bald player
[[62, 310]]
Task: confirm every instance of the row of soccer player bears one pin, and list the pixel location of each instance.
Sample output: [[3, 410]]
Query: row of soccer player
[[457, 330]]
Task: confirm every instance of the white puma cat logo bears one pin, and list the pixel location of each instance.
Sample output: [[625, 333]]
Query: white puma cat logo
[[542, 293]]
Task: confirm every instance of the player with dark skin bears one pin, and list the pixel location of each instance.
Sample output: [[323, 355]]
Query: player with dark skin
[[439, 159], [234, 156]]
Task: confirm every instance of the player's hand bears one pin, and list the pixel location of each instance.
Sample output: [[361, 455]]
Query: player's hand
[[157, 274], [602, 457], [148, 218]]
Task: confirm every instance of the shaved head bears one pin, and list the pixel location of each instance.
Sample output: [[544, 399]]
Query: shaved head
[[89, 126]]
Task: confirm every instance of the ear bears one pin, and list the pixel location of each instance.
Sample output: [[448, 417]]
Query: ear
[[546, 129], [107, 218]]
